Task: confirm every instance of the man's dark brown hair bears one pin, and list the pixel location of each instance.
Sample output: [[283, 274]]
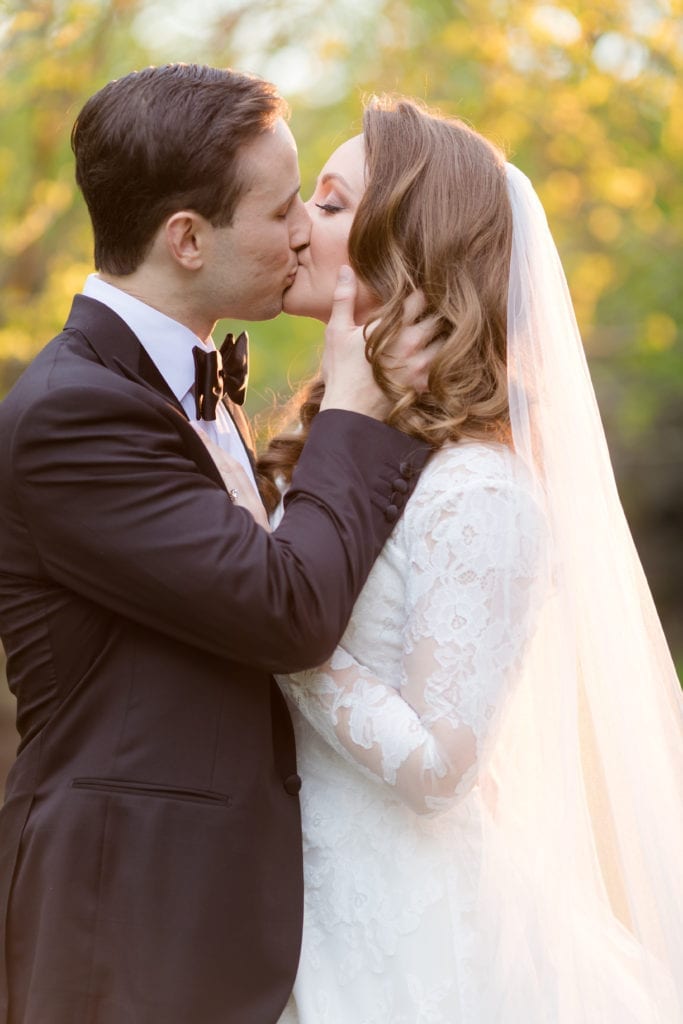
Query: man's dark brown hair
[[165, 139]]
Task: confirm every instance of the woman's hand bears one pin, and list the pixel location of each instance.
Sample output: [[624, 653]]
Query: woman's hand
[[349, 382], [240, 489]]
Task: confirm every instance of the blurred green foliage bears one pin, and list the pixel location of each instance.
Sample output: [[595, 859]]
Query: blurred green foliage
[[586, 97]]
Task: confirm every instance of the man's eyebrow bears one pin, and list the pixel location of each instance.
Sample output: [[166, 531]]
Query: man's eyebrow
[[295, 192]]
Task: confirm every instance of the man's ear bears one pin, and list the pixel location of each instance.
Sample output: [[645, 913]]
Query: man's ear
[[184, 232]]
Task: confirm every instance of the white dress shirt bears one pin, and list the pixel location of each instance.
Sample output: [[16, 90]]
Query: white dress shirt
[[169, 345]]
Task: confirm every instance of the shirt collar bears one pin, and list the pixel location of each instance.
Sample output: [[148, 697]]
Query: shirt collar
[[167, 342]]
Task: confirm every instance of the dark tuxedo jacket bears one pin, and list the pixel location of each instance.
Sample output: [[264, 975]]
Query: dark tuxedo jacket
[[150, 865]]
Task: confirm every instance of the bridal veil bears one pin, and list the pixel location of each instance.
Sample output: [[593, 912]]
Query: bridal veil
[[580, 893]]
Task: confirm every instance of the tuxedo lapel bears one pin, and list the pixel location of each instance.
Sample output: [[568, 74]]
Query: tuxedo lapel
[[118, 348], [149, 377]]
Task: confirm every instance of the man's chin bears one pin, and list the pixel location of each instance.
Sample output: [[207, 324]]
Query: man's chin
[[257, 315]]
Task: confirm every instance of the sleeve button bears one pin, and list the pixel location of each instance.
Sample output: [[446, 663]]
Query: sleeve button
[[391, 513], [400, 485], [406, 470], [292, 784]]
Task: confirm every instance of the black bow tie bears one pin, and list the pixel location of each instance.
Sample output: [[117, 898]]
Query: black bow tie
[[221, 371]]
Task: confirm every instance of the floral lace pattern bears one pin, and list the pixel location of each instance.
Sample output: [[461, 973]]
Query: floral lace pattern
[[392, 733]]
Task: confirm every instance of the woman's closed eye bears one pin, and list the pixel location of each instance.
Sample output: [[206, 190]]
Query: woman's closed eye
[[329, 207]]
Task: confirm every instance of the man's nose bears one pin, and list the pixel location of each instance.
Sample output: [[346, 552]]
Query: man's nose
[[300, 234]]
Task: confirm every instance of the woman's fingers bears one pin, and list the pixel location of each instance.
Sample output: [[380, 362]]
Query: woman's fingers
[[409, 359], [414, 306], [349, 383], [344, 301]]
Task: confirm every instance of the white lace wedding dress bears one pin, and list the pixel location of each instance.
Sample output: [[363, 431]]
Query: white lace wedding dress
[[390, 752], [418, 909]]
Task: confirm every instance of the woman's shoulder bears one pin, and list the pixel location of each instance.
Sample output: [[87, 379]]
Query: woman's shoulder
[[478, 498], [474, 474], [468, 464]]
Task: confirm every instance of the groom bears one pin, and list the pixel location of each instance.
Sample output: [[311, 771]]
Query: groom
[[150, 865]]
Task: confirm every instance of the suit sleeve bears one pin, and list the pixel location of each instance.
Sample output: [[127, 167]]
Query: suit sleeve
[[119, 513]]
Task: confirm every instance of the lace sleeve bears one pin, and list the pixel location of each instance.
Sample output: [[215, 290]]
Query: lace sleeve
[[473, 563]]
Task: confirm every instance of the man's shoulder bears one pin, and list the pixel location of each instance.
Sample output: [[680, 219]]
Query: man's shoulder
[[66, 360], [68, 382], [94, 349]]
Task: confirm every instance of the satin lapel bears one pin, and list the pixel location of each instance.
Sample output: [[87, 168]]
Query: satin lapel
[[119, 350], [116, 346]]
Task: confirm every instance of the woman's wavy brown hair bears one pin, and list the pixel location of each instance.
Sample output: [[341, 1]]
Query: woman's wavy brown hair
[[435, 215]]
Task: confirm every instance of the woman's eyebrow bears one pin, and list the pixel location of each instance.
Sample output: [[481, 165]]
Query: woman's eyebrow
[[333, 174]]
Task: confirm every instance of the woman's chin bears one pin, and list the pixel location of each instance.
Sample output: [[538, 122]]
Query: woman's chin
[[302, 305]]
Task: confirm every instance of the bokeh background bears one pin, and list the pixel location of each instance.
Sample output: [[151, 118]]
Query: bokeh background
[[587, 97]]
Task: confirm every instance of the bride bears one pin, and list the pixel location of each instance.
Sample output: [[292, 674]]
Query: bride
[[491, 760]]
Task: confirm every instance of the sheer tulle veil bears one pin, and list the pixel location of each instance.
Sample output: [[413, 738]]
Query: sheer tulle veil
[[580, 894]]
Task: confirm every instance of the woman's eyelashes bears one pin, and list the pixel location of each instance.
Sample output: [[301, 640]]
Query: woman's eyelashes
[[330, 201], [329, 207]]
